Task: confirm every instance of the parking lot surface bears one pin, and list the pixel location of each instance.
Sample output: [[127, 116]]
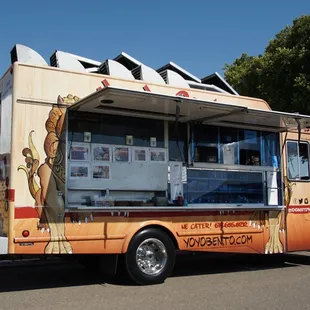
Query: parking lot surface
[[199, 281]]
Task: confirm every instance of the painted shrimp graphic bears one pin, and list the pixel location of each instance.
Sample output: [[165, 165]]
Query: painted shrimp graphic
[[274, 222], [49, 193]]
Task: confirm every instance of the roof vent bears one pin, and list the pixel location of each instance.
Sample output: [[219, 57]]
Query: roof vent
[[147, 74], [115, 69], [182, 72], [66, 61], [217, 80], [207, 87], [88, 64], [26, 55], [174, 79], [53, 60], [127, 61]]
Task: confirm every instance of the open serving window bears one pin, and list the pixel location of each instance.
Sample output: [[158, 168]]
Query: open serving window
[[125, 102], [149, 149]]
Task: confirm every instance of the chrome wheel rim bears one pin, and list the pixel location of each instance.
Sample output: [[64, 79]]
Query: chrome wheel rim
[[151, 256]]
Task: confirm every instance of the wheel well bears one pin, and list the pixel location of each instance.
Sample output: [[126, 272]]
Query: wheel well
[[164, 229]]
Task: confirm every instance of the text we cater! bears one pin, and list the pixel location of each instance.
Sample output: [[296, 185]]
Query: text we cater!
[[209, 225]]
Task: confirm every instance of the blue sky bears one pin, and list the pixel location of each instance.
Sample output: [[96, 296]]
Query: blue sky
[[197, 35]]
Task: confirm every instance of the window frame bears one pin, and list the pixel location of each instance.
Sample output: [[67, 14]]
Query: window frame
[[261, 143], [287, 156], [76, 135]]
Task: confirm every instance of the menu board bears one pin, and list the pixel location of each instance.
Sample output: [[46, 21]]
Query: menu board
[[118, 167]]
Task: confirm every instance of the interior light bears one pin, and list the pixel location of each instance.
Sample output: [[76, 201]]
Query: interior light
[[107, 101]]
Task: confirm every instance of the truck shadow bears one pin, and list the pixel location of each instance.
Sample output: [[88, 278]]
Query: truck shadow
[[214, 263], [69, 273]]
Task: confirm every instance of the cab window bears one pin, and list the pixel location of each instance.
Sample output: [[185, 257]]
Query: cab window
[[298, 160]]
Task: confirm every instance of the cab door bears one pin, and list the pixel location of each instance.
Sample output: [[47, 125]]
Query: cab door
[[297, 193]]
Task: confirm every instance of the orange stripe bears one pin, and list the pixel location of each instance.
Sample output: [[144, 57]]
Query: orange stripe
[[31, 212]]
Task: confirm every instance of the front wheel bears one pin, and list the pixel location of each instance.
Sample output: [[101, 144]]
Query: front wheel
[[150, 257]]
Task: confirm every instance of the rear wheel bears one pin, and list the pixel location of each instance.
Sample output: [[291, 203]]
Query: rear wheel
[[150, 257]]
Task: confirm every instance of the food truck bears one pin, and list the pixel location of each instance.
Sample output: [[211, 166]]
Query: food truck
[[116, 159]]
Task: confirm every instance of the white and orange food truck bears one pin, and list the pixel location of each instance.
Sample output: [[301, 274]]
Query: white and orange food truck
[[121, 160]]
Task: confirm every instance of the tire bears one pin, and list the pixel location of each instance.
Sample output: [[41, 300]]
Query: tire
[[150, 257]]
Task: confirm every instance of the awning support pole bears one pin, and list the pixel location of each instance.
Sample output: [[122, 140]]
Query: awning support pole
[[297, 120], [176, 128]]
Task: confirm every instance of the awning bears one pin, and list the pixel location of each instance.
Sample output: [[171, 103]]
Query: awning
[[117, 101]]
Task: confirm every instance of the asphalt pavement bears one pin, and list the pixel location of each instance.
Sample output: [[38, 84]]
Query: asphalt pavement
[[199, 281]]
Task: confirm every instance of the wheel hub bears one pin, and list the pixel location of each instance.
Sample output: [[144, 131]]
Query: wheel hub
[[151, 256]]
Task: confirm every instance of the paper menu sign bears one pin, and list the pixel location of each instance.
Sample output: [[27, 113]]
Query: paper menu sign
[[176, 189], [176, 172], [272, 188], [184, 175], [228, 154], [177, 175], [273, 197], [272, 179]]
